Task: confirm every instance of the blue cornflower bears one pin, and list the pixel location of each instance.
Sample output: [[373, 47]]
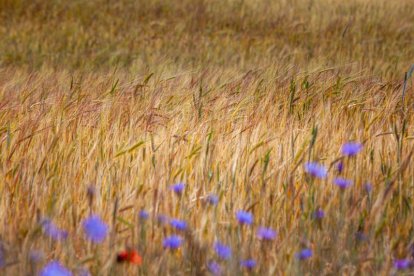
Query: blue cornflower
[[214, 268], [95, 229], [172, 242], [143, 215], [54, 268], [249, 263], [351, 148], [212, 199], [178, 188], [52, 231], [402, 264], [244, 217], [266, 233], [178, 224], [223, 251], [342, 182], [340, 166], [304, 254], [316, 170], [318, 214]]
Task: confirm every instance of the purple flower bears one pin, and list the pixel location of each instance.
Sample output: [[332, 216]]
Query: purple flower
[[351, 148], [244, 217], [143, 215], [52, 231], [162, 219], [249, 263], [95, 229], [223, 251], [83, 272], [35, 256], [267, 234], [178, 224], [2, 259], [340, 166], [316, 170], [172, 242], [318, 214], [178, 188], [214, 268], [402, 264], [212, 199], [342, 182], [304, 254], [368, 187], [54, 268], [360, 236]]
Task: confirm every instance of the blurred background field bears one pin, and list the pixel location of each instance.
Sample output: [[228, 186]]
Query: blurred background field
[[106, 104], [243, 35]]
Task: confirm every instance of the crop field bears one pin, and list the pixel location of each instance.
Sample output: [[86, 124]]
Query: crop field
[[206, 137]]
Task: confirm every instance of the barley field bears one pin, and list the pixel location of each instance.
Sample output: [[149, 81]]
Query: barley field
[[206, 137]]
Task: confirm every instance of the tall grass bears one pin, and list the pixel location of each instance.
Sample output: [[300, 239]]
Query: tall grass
[[230, 97]]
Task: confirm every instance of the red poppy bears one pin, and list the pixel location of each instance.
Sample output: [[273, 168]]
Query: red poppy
[[130, 256]]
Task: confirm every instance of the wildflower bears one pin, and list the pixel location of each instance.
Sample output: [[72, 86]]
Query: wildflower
[[95, 229], [249, 263], [244, 217], [360, 236], [340, 167], [162, 219], [342, 182], [143, 215], [402, 264], [35, 256], [316, 170], [54, 268], [212, 199], [304, 254], [178, 224], [178, 188], [267, 234], [52, 231], [368, 187], [214, 268], [2, 259], [223, 251], [130, 256], [172, 242], [83, 272], [351, 148], [318, 214]]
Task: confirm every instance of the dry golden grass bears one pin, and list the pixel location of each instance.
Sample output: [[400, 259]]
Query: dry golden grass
[[230, 97]]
